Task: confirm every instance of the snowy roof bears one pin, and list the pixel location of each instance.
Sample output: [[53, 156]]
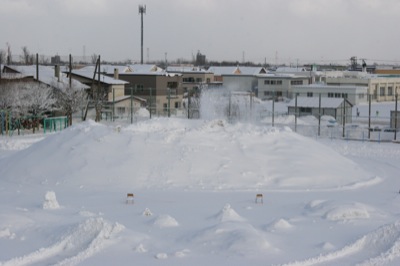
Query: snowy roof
[[290, 69], [145, 68], [313, 102], [326, 87], [86, 73], [236, 70], [47, 76], [128, 97], [187, 69], [108, 69]]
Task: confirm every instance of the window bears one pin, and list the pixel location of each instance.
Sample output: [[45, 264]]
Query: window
[[296, 82], [272, 82], [199, 80], [330, 95], [309, 94], [120, 110], [390, 91], [267, 93], [208, 80], [172, 93], [177, 105], [344, 95], [139, 87], [361, 96], [172, 85], [305, 110], [188, 80], [382, 91]]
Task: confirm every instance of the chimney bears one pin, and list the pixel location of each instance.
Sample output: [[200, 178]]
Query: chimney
[[116, 73], [57, 72]]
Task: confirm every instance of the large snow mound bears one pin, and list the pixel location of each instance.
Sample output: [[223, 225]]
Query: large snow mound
[[193, 154]]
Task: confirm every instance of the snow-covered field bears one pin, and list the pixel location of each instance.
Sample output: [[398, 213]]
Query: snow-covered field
[[63, 197]]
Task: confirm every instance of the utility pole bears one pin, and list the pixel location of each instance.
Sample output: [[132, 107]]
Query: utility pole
[[142, 10]]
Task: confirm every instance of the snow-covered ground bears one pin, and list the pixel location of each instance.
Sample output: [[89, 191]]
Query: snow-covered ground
[[63, 196]]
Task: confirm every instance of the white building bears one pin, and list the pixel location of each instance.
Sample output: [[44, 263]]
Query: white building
[[380, 87], [354, 94]]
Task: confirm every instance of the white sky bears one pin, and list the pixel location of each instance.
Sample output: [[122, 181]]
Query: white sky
[[289, 30]]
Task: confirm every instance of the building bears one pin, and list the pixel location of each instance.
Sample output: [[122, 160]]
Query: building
[[338, 108], [279, 86], [238, 78], [354, 94], [162, 91], [193, 78], [380, 87]]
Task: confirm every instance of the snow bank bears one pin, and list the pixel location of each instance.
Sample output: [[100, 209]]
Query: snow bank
[[237, 156]]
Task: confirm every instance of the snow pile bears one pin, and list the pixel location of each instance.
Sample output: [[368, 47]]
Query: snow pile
[[164, 221], [229, 214], [239, 156], [50, 201]]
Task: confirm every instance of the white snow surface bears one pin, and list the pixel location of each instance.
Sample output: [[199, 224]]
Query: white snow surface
[[325, 202]]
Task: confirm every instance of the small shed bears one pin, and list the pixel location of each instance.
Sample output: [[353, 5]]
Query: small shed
[[335, 107]]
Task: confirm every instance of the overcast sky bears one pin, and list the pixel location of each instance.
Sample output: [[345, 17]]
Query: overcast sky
[[277, 31]]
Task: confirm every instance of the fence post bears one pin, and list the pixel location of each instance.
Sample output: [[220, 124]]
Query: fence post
[[319, 116], [295, 113], [369, 116], [395, 118], [344, 116], [150, 102], [273, 108]]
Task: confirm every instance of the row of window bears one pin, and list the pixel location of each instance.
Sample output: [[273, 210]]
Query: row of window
[[389, 91], [193, 80], [279, 82], [337, 95]]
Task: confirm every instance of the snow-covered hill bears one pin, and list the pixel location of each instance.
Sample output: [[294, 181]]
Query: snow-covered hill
[[63, 198]]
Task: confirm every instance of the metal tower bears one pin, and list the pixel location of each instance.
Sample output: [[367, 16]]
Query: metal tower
[[142, 10]]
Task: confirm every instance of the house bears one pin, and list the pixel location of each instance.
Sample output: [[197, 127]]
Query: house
[[279, 86], [354, 94], [163, 91], [335, 107], [238, 78], [42, 74], [113, 87], [193, 78]]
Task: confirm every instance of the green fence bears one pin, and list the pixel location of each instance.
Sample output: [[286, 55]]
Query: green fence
[[55, 123]]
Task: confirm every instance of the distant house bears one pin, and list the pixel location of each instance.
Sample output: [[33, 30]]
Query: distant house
[[159, 89], [335, 107], [238, 78], [193, 78]]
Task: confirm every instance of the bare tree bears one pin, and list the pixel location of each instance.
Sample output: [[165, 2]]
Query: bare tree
[[70, 99], [26, 56], [94, 58], [2, 57]]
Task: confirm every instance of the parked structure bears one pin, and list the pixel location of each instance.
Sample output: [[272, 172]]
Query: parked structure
[[338, 108]]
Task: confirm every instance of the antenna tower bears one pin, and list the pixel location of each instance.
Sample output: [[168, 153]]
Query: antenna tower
[[142, 10]]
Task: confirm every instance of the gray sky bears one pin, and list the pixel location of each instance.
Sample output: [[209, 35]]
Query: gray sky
[[288, 31]]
